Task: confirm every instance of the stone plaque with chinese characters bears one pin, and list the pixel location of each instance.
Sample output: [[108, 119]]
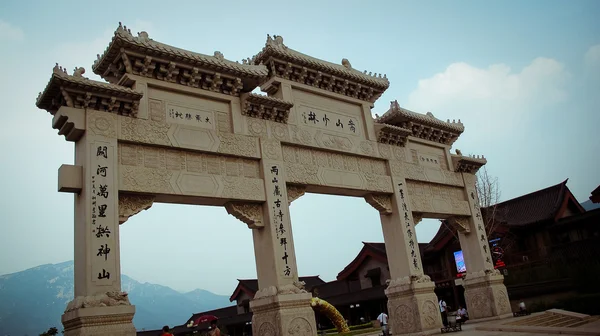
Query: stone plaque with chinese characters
[[190, 116], [330, 121], [103, 212]]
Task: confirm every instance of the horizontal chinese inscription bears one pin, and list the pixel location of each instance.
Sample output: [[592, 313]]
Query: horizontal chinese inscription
[[328, 120], [190, 116]]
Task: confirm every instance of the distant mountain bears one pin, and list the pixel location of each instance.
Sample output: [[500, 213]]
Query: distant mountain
[[33, 300], [589, 205]]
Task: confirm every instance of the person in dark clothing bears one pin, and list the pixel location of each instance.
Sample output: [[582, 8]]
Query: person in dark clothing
[[165, 331]]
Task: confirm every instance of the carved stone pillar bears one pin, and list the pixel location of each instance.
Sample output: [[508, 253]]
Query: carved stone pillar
[[281, 306], [485, 293], [412, 303], [99, 306]]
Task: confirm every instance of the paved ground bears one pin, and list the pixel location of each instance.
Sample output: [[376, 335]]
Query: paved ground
[[468, 329]]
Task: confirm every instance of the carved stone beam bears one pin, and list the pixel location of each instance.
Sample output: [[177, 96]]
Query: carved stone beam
[[130, 205], [460, 223], [70, 179], [383, 203], [417, 217], [249, 213], [294, 192], [69, 122]]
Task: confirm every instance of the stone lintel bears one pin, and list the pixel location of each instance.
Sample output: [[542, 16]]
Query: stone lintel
[[70, 122], [382, 203], [461, 223], [294, 192], [70, 178], [100, 320], [249, 213], [130, 205]]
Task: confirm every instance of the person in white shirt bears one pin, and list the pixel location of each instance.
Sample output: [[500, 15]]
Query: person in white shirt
[[443, 310], [462, 312], [383, 321]]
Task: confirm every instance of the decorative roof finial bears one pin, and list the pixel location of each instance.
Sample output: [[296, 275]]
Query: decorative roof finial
[[429, 114], [278, 40], [219, 55], [458, 152], [78, 72], [346, 63], [143, 36]]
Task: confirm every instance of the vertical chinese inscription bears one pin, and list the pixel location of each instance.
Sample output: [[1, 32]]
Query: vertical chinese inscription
[[478, 221], [102, 211], [279, 215], [410, 232]]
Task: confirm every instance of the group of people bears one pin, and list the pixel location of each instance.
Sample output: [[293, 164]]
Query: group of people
[[461, 316]]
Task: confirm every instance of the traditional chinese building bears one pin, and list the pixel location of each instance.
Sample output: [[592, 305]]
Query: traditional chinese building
[[539, 228], [595, 197]]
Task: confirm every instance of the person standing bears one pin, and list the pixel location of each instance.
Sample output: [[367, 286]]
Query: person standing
[[443, 310], [214, 330], [383, 321], [165, 331]]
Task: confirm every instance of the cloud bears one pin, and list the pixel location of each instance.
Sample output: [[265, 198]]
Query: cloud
[[83, 53], [592, 58], [491, 97], [9, 32]]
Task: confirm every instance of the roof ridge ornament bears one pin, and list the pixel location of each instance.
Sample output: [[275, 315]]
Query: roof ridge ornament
[[78, 72], [219, 55], [123, 29], [59, 70], [143, 35], [346, 63]]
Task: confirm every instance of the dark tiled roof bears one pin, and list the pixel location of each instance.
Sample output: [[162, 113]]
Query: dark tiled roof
[[535, 207], [311, 281], [595, 195], [220, 313], [251, 285]]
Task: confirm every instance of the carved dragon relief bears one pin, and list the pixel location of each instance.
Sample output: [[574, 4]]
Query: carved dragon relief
[[130, 205], [460, 223], [294, 192], [383, 203], [108, 299], [249, 213], [297, 287]]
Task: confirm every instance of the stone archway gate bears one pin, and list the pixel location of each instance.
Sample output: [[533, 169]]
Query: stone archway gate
[[176, 126]]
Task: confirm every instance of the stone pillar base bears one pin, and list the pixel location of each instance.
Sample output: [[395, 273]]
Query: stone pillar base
[[97, 321], [282, 315], [486, 294], [412, 306]]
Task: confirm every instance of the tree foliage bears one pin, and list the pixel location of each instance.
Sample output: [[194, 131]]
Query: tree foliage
[[50, 332]]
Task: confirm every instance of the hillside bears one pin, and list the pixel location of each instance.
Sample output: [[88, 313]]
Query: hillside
[[33, 300]]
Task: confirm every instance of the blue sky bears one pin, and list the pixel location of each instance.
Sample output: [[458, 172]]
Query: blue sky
[[523, 76]]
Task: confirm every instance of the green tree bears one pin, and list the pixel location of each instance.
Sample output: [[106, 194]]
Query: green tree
[[51, 332]]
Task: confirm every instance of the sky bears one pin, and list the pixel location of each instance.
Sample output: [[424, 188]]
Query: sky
[[523, 77]]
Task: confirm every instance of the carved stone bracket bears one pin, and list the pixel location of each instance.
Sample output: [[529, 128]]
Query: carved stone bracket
[[249, 213], [383, 203], [294, 192], [417, 217], [130, 205], [69, 122], [460, 223]]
